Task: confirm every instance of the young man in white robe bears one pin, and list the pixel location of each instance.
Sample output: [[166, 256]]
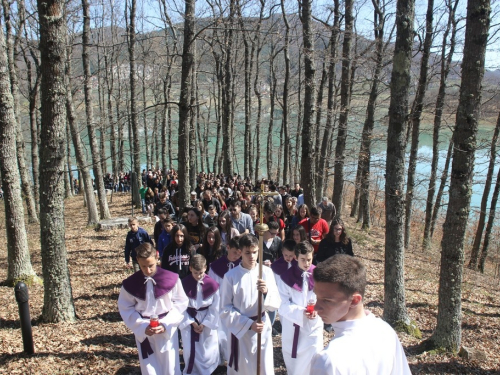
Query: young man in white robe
[[150, 292], [363, 344], [302, 333], [239, 301], [199, 327], [218, 270]]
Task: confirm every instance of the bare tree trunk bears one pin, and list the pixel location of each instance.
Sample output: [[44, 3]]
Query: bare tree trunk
[[416, 117], [270, 154], [18, 256], [442, 185], [81, 158], [135, 141], [345, 98], [11, 49], [68, 176], [32, 98], [489, 226], [317, 130], [331, 102], [445, 69], [364, 159], [448, 332], [395, 311], [298, 138], [484, 200], [58, 300], [192, 127], [307, 175], [184, 102], [96, 162], [286, 92], [227, 142]]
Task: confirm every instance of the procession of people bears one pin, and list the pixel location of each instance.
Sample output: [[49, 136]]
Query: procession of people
[[208, 285]]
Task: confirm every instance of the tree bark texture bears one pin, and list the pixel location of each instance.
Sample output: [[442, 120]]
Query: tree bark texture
[[18, 256], [489, 225], [307, 160], [345, 95], [89, 112], [135, 140], [394, 293], [446, 61], [58, 300], [78, 146], [11, 44], [484, 200], [416, 117], [448, 332], [331, 99], [184, 102]]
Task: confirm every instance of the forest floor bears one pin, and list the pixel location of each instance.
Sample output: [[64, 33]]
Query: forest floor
[[99, 343]]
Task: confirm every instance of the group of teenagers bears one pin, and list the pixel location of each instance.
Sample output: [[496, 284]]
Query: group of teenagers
[[203, 281]]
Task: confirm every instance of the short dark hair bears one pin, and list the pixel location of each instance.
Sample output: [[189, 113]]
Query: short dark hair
[[248, 240], [272, 224], [234, 242], [314, 211], [168, 219], [145, 250], [162, 211], [289, 245], [235, 203], [345, 270], [303, 248], [198, 262]]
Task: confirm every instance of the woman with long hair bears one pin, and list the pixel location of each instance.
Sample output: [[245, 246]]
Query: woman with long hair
[[177, 254], [335, 242], [302, 213], [227, 231], [212, 248], [299, 234], [195, 227]]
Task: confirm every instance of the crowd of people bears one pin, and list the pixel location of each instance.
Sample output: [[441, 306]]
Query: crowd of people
[[198, 274]]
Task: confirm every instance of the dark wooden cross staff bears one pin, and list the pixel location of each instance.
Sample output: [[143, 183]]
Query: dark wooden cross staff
[[260, 228]]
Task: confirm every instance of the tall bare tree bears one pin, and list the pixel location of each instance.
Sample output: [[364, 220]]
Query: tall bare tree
[[78, 146], [89, 112], [18, 256], [395, 311], [448, 332], [58, 300], [364, 158], [474, 256], [446, 60], [345, 96], [185, 101], [416, 117], [134, 142], [307, 160], [12, 45]]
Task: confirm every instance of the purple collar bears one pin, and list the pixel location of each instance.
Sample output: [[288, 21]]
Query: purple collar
[[222, 265], [165, 282], [293, 277], [281, 265], [209, 286]]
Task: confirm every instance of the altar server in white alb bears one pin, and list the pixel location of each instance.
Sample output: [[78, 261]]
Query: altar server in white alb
[[199, 327], [218, 270], [302, 334], [153, 293], [363, 344], [239, 294]]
